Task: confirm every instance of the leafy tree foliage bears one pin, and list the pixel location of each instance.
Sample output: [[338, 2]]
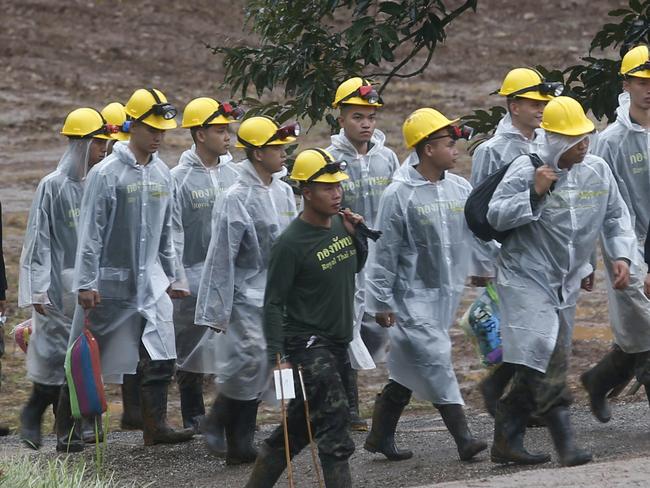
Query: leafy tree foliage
[[309, 46]]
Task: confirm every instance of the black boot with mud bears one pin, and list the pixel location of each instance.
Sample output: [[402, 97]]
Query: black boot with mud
[[508, 445], [190, 387], [352, 392], [558, 421], [268, 467], [240, 431], [156, 430], [30, 418], [214, 431], [131, 411], [385, 416], [336, 474], [454, 418], [92, 430], [495, 384], [613, 369]]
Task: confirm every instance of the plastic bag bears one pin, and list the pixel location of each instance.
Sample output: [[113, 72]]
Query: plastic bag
[[84, 376], [481, 324], [21, 334]]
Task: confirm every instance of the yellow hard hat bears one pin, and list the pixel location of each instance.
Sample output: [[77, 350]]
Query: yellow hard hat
[[207, 111], [319, 166], [564, 115], [264, 131], [422, 123], [636, 63], [528, 83], [85, 122], [115, 115], [151, 107], [357, 91]]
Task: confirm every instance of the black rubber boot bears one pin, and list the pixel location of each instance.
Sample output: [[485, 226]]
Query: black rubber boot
[[454, 417], [558, 422], [352, 394], [155, 377], [190, 387], [4, 430], [508, 445], [615, 368], [32, 414], [131, 412], [336, 473], [268, 467], [68, 430], [213, 428], [494, 385], [92, 430], [389, 405], [240, 431]]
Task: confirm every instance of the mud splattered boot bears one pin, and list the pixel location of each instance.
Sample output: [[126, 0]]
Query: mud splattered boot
[[68, 431], [352, 393], [240, 431], [190, 387], [268, 467], [336, 473], [389, 405], [454, 418], [131, 413], [558, 422], [213, 427], [508, 445], [32, 414]]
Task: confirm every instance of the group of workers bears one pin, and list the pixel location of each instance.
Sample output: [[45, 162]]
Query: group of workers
[[210, 269]]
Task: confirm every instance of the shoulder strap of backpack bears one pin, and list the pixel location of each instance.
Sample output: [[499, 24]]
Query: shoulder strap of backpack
[[536, 160]]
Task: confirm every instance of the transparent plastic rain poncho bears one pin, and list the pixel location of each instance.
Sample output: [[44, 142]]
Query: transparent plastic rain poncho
[[543, 260], [370, 174], [195, 189], [246, 221], [126, 253], [624, 145], [47, 263], [418, 270], [507, 143]]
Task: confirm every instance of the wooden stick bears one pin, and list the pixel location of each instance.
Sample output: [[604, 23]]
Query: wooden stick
[[285, 427], [312, 444]]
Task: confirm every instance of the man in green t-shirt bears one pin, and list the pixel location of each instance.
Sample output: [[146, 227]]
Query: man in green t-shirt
[[308, 316]]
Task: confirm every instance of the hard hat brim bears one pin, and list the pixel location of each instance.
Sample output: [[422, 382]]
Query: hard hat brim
[[277, 142], [221, 120], [585, 127], [104, 137], [531, 95], [121, 136], [640, 74], [357, 101], [327, 178], [158, 122]]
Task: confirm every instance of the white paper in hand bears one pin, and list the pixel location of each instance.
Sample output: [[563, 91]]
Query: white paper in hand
[[288, 388]]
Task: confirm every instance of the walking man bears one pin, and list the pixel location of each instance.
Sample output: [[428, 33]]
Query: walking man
[[198, 179], [415, 281], [308, 316], [370, 167], [246, 221], [124, 266], [624, 146], [47, 264], [555, 214]]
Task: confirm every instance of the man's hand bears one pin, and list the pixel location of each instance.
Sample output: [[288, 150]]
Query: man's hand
[[544, 178], [479, 280], [385, 319], [621, 271], [350, 220], [88, 299], [587, 282], [39, 307], [178, 293]]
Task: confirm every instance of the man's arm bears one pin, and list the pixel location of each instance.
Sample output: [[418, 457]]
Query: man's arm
[[279, 282]]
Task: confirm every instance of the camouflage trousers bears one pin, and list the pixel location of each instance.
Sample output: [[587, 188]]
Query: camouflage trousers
[[323, 365], [534, 391]]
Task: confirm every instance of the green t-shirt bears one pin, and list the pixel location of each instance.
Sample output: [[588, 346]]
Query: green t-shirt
[[310, 284]]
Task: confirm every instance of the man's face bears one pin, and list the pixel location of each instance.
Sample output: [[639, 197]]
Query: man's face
[[639, 90], [324, 198], [215, 138], [575, 154], [528, 112], [145, 138], [358, 121], [443, 152], [96, 151], [272, 158]]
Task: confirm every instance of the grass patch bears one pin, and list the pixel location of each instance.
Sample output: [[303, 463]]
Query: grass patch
[[59, 472]]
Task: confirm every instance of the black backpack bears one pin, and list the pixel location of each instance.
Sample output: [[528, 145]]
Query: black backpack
[[476, 206]]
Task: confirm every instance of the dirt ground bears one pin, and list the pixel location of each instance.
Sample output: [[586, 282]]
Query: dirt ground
[[57, 56]]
